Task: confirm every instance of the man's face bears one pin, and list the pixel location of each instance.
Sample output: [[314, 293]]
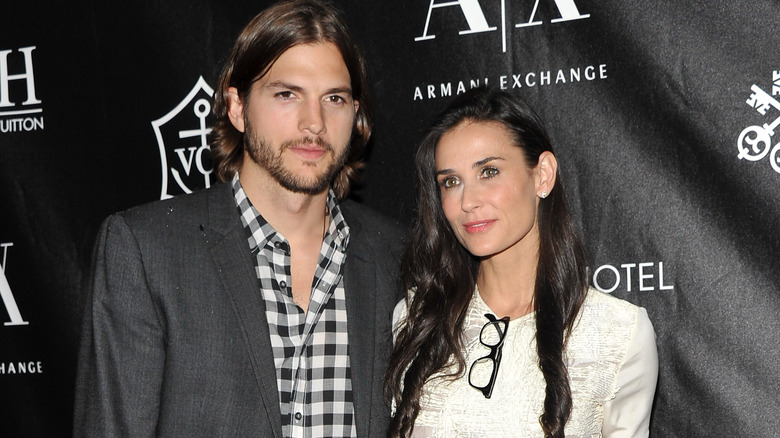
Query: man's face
[[298, 118]]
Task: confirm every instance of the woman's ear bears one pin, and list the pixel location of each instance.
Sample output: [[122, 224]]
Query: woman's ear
[[235, 109], [546, 171]]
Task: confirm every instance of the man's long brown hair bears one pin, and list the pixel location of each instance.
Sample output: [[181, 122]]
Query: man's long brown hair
[[260, 44]]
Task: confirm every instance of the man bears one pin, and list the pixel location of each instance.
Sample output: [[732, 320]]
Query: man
[[261, 306]]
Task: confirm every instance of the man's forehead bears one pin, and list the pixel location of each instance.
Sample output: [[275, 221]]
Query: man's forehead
[[321, 61]]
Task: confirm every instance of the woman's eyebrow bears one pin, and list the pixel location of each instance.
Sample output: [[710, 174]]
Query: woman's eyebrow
[[484, 161], [477, 164]]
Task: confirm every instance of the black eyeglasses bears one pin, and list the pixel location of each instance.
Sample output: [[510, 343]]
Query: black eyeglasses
[[492, 336]]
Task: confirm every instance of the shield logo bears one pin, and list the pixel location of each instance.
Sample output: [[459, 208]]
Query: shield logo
[[182, 136]]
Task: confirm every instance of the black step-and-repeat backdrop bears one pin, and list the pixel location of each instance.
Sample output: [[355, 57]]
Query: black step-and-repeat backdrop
[[665, 115]]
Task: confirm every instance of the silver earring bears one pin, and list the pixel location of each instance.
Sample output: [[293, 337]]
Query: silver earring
[[544, 194]]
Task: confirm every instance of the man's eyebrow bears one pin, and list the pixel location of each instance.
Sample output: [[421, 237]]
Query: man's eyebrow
[[298, 88], [339, 90], [285, 85]]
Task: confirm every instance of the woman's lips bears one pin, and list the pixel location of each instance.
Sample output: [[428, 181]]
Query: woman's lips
[[478, 226]]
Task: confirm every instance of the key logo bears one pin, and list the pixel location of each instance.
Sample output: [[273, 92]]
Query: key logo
[[755, 142]]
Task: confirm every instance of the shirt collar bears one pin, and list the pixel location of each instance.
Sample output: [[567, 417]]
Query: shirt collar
[[261, 232]]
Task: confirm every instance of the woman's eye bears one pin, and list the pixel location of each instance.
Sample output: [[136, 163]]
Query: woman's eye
[[489, 172], [447, 183]]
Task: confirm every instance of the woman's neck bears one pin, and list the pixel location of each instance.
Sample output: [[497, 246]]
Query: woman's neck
[[507, 287]]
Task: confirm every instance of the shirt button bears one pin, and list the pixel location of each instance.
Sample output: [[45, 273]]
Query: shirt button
[[298, 416], [278, 245], [283, 283]]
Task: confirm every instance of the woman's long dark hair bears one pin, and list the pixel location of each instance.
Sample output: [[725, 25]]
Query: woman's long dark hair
[[442, 273]]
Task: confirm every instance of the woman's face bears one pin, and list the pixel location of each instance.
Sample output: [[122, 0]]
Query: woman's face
[[489, 193]]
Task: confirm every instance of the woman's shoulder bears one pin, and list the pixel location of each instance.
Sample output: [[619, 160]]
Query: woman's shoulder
[[597, 301], [400, 312], [608, 315]]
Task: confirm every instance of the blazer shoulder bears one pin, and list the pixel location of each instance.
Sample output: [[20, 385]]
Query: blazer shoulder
[[187, 208], [371, 223]]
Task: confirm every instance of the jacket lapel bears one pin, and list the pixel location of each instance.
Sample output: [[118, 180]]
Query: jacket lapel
[[360, 286], [235, 268]]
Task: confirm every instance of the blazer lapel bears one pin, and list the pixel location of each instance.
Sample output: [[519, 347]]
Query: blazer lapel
[[360, 286], [235, 268]]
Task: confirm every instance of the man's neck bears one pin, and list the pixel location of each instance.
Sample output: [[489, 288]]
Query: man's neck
[[294, 215]]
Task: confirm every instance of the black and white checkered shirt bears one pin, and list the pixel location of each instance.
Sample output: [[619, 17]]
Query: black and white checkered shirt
[[310, 348]]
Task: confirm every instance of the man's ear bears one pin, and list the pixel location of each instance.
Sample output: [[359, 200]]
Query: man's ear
[[356, 104], [546, 171], [235, 109]]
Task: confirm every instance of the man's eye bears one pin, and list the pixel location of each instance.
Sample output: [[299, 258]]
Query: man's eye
[[336, 99], [285, 95]]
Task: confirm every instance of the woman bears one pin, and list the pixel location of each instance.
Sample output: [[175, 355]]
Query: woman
[[499, 334]]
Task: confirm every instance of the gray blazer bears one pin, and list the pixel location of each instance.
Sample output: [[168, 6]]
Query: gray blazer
[[175, 340]]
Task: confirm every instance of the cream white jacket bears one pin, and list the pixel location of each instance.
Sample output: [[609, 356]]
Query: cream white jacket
[[613, 369]]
